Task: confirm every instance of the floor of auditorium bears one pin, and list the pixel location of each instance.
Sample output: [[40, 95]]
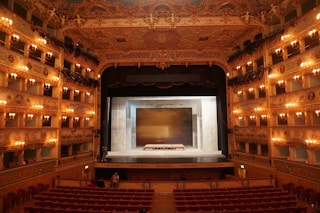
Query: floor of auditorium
[[163, 202]]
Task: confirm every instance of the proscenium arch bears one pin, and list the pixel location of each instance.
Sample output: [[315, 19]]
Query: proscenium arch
[[179, 80]]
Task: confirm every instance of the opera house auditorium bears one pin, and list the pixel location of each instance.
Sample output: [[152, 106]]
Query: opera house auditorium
[[159, 106]]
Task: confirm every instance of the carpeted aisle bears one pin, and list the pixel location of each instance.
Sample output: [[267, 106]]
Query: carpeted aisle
[[163, 203]]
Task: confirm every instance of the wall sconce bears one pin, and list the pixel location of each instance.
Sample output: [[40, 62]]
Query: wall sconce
[[305, 64], [87, 93], [11, 115], [252, 117], [92, 113], [263, 117], [48, 55], [317, 112], [19, 143], [47, 86], [6, 21], [280, 83], [257, 109], [87, 119], [55, 78], [29, 116], [31, 81], [240, 117], [64, 118], [249, 63], [278, 51], [282, 116], [276, 139], [239, 92], [76, 119], [290, 104], [15, 38], [33, 48], [310, 142], [52, 140], [46, 118], [236, 111], [88, 69], [3, 102], [77, 67], [294, 44], [299, 114], [318, 16], [316, 71], [76, 92], [23, 68], [65, 89], [284, 37], [313, 33], [69, 110], [13, 76], [38, 106], [262, 88], [250, 90], [238, 68], [297, 77], [42, 40]]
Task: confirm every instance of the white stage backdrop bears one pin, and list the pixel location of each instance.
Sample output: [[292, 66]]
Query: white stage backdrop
[[204, 119]]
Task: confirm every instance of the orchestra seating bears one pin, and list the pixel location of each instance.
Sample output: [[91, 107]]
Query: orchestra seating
[[72, 199], [236, 200]]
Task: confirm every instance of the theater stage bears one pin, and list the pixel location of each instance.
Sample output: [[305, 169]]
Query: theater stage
[[187, 158]]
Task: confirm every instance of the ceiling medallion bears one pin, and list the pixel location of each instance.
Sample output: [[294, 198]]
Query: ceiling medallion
[[162, 38]]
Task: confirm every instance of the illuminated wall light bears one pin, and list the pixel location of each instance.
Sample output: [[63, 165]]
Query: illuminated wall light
[[273, 75], [19, 143], [29, 116], [33, 48], [317, 112], [55, 78], [262, 87], [258, 109], [13, 76], [76, 119], [228, 74], [47, 86], [282, 115], [295, 44], [42, 40], [276, 139], [64, 118], [52, 140], [290, 104], [251, 90], [305, 64], [278, 51], [87, 93], [236, 111], [23, 68], [316, 71], [65, 89], [11, 115], [280, 83], [88, 69], [69, 110], [239, 92], [238, 67], [263, 117], [76, 92], [48, 55], [252, 117], [6, 21], [77, 66], [31, 81], [284, 37], [15, 38], [297, 77], [310, 141], [46, 118], [38, 106], [249, 63], [240, 117], [87, 119], [318, 16], [92, 112], [98, 76], [299, 114], [313, 33], [3, 102]]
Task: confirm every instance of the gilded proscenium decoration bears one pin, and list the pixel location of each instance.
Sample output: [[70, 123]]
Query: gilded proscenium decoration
[[122, 26]]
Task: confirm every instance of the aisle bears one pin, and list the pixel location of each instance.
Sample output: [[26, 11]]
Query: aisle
[[163, 202]]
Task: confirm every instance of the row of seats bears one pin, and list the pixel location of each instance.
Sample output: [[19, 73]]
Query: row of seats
[[244, 200], [22, 195], [63, 200]]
